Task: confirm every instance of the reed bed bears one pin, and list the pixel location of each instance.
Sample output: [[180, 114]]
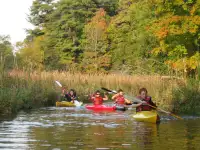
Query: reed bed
[[22, 89]]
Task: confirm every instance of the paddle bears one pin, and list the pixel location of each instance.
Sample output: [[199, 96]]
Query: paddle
[[138, 100], [58, 83], [126, 96]]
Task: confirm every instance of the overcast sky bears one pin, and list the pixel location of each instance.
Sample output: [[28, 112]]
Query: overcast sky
[[13, 18]]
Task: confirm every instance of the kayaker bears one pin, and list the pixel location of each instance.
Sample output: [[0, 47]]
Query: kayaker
[[97, 99], [71, 95], [119, 98], [145, 101]]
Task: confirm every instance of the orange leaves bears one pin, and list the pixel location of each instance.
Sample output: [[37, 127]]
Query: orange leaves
[[162, 33], [175, 25], [193, 10], [99, 20]]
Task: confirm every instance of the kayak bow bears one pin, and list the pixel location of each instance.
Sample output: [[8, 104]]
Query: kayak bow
[[147, 116]]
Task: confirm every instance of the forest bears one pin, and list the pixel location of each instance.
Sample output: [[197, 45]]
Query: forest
[[122, 37]]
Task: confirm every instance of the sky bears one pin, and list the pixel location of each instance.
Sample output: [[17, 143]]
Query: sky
[[13, 18]]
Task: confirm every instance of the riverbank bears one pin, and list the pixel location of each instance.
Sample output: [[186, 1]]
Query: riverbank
[[23, 90]]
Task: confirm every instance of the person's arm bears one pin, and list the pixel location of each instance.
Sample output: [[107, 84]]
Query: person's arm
[[114, 96], [128, 101], [63, 92], [92, 97], [105, 98], [136, 105], [73, 98]]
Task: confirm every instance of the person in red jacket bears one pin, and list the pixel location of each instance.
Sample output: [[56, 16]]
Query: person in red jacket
[[120, 99], [146, 101], [97, 99]]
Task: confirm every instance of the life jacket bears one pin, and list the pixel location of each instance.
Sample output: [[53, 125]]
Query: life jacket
[[70, 97], [98, 100], [120, 100], [144, 107]]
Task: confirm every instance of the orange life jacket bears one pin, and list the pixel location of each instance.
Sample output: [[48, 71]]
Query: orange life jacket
[[98, 101], [144, 107], [120, 100]]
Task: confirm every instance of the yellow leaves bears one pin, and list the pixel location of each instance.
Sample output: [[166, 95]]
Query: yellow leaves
[[193, 61], [193, 10], [175, 29], [162, 49], [178, 2], [184, 64]]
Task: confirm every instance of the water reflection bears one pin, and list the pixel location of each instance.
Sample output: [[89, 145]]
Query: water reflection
[[144, 134], [61, 128]]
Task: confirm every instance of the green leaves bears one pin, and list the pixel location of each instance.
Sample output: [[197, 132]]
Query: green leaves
[[6, 54], [135, 36]]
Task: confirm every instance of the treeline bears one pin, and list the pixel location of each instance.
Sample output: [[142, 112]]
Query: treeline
[[130, 36]]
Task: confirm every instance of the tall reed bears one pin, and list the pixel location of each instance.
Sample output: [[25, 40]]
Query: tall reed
[[186, 98], [20, 89]]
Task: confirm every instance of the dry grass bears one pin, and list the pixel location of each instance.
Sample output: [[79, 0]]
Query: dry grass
[[160, 88], [20, 89]]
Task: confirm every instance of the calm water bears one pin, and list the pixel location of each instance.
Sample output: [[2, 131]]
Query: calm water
[[62, 128]]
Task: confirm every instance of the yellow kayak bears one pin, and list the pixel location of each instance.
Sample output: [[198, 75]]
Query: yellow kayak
[[147, 116], [65, 104]]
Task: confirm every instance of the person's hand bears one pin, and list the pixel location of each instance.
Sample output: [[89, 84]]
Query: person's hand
[[144, 103], [139, 104]]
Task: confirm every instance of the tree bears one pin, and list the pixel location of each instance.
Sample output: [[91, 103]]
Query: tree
[[177, 29], [6, 53], [40, 11], [31, 55], [130, 42], [62, 23], [95, 56]]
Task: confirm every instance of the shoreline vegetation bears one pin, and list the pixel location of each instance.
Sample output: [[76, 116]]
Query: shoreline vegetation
[[22, 90], [154, 44]]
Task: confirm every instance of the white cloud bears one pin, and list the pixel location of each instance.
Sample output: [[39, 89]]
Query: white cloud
[[13, 17]]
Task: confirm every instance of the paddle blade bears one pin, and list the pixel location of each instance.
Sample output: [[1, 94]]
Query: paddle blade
[[77, 103], [105, 89], [58, 83], [132, 98]]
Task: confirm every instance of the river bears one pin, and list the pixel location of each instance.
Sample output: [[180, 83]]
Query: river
[[79, 129]]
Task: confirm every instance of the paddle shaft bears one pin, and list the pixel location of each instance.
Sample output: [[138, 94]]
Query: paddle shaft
[[166, 112], [148, 105]]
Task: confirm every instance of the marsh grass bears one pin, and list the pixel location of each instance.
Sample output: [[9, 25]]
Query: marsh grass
[[186, 98], [24, 90]]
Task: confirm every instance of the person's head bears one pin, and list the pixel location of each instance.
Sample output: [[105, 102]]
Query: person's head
[[121, 92], [72, 92], [97, 93], [143, 92]]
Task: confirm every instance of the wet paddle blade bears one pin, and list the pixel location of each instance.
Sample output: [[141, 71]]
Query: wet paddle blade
[[58, 83], [105, 89]]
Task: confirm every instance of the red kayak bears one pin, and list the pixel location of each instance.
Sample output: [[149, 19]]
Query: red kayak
[[101, 107]]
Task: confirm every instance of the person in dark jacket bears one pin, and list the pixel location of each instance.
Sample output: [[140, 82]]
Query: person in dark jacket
[[71, 95], [145, 101]]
